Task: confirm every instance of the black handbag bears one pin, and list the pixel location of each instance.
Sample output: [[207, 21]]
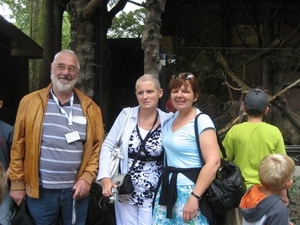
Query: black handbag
[[228, 187], [21, 217], [124, 183]]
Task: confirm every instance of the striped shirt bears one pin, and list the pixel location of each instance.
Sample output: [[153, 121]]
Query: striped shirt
[[59, 160]]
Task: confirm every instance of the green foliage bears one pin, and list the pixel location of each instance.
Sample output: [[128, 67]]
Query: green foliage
[[295, 201], [128, 25], [66, 28], [20, 13]]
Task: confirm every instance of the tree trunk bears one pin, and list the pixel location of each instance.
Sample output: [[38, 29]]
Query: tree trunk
[[82, 41], [90, 21], [151, 36], [46, 25]]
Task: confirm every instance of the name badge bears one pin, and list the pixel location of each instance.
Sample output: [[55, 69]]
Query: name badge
[[72, 136], [79, 119]]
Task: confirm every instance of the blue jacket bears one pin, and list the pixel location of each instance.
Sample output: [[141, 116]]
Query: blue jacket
[[259, 209], [6, 138]]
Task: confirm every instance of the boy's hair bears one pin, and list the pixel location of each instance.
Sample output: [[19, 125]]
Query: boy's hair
[[3, 182], [275, 170]]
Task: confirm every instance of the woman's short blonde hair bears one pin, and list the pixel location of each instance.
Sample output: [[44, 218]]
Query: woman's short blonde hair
[[275, 171], [148, 77], [3, 182]]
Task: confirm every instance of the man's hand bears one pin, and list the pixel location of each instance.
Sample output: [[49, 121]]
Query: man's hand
[[81, 189], [18, 196]]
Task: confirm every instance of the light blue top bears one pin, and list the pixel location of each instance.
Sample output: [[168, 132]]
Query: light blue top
[[181, 147]]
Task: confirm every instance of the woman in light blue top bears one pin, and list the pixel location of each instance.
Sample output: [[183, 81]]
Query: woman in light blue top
[[180, 199], [144, 126]]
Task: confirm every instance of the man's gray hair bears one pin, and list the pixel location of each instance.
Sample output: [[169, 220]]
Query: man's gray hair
[[67, 51]]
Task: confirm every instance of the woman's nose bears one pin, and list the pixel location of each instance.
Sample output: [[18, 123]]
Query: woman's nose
[[179, 94]]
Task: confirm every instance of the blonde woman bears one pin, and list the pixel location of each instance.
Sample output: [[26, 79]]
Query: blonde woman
[[144, 131]]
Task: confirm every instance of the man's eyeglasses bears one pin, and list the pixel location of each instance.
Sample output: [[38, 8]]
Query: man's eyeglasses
[[71, 69], [187, 76]]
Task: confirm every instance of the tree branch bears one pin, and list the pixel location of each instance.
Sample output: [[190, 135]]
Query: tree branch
[[231, 87], [91, 7], [257, 55], [229, 72], [283, 90]]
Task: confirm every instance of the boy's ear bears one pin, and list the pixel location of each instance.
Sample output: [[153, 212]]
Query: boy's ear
[[266, 110], [289, 183]]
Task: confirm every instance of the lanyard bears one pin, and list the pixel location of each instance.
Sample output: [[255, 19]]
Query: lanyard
[[65, 114]]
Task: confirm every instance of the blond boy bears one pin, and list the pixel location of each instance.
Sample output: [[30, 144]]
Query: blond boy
[[262, 204]]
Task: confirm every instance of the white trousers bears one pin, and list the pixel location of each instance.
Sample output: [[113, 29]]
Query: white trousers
[[132, 215]]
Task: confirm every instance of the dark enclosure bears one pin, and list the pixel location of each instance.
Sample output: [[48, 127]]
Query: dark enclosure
[[16, 49]]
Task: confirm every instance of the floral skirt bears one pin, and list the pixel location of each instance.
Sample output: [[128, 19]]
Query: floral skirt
[[183, 194]]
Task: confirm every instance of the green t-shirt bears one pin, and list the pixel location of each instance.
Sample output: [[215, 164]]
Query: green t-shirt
[[247, 143]]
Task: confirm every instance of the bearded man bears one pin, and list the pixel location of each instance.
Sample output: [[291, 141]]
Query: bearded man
[[55, 151]]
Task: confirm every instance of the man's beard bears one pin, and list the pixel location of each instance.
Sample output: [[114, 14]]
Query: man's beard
[[59, 86]]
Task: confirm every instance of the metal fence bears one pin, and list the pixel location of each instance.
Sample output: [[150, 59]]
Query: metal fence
[[294, 152]]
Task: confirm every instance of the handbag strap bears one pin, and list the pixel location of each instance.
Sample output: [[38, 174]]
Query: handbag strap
[[143, 141], [222, 149]]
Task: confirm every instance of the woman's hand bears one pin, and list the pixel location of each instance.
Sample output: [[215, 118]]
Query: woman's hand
[[190, 209], [107, 185]]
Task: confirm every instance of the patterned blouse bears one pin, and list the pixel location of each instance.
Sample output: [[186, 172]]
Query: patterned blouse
[[146, 173]]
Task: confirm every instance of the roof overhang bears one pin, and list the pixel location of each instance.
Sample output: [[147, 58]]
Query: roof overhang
[[20, 44]]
